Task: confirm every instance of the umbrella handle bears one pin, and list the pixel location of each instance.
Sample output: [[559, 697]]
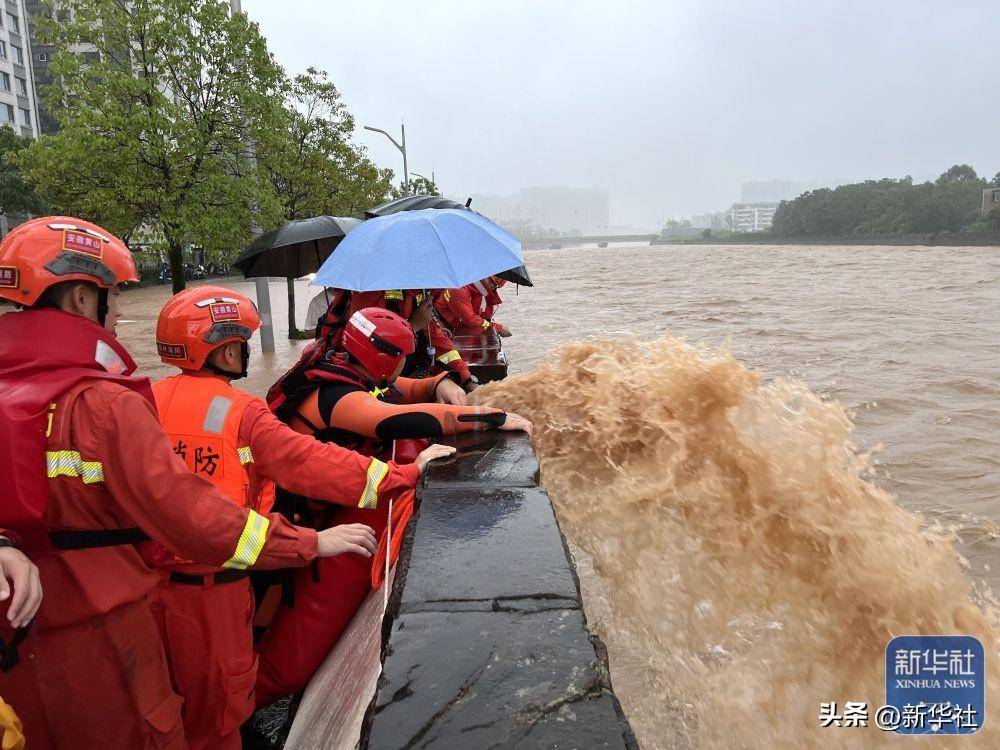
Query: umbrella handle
[[326, 292]]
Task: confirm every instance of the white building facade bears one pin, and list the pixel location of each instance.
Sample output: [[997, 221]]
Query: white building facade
[[752, 217], [18, 102]]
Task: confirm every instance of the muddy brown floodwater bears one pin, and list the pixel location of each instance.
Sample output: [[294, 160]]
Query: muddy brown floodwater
[[740, 552]]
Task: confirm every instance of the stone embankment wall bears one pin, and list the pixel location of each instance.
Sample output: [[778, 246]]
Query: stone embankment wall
[[489, 644]]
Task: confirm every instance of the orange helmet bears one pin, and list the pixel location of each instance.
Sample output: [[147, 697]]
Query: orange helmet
[[43, 252], [197, 321]]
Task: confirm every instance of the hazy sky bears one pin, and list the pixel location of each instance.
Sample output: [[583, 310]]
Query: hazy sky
[[669, 105]]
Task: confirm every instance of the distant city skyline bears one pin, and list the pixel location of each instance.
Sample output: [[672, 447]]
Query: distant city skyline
[[513, 209], [559, 207]]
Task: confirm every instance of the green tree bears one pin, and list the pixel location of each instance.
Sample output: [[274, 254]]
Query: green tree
[[418, 186], [959, 173], [16, 196], [880, 208], [311, 164], [995, 182], [153, 116]]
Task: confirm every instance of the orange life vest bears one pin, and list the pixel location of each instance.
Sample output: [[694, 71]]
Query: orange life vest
[[202, 416]]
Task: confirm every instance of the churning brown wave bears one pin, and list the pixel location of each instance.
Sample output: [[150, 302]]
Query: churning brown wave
[[735, 553]]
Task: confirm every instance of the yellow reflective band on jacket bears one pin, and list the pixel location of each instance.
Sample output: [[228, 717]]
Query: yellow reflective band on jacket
[[246, 455], [251, 542], [377, 471], [486, 324], [447, 295], [394, 294], [449, 357], [71, 464], [12, 729]]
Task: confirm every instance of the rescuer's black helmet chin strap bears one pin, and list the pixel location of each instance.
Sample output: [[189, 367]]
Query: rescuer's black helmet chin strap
[[244, 358], [102, 306]]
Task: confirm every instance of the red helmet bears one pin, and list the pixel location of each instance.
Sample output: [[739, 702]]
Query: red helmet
[[43, 252], [199, 320], [379, 339]]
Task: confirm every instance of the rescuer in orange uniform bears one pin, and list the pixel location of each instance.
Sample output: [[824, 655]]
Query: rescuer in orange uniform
[[435, 352], [469, 311], [356, 398], [232, 439], [88, 474]]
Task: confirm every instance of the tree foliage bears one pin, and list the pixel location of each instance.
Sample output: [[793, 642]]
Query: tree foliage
[[959, 173], [310, 161], [154, 99], [16, 196], [418, 186], [886, 207]]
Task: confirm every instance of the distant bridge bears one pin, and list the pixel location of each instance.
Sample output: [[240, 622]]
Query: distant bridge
[[557, 242]]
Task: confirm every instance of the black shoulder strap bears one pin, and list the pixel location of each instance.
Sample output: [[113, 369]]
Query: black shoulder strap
[[9, 657]]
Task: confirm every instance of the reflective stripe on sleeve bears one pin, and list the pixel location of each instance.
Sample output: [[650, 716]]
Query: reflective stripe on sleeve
[[71, 464], [245, 454], [250, 544], [377, 471], [449, 357], [395, 294], [486, 324]]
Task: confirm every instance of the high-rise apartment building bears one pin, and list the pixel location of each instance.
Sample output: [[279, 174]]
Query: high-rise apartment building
[[18, 104], [41, 56], [18, 107]]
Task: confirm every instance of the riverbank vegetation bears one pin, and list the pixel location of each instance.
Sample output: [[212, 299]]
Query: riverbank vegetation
[[891, 208]]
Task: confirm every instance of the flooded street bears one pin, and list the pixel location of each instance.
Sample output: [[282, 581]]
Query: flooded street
[[706, 604]]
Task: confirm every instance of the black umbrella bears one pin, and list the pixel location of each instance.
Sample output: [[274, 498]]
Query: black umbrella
[[412, 203], [296, 248], [517, 275]]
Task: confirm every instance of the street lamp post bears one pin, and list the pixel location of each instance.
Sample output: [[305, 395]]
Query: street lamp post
[[398, 145], [262, 288]]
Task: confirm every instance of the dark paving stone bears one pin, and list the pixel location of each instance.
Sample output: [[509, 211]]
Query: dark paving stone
[[487, 459], [268, 727], [493, 679], [485, 546]]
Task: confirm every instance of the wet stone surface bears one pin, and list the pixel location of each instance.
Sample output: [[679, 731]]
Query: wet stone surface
[[477, 546], [493, 679], [487, 459], [268, 727], [489, 647]]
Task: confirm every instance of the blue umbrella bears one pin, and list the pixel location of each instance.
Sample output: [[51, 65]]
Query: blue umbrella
[[428, 249]]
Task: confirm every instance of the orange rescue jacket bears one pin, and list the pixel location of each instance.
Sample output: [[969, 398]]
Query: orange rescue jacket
[[202, 418]]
